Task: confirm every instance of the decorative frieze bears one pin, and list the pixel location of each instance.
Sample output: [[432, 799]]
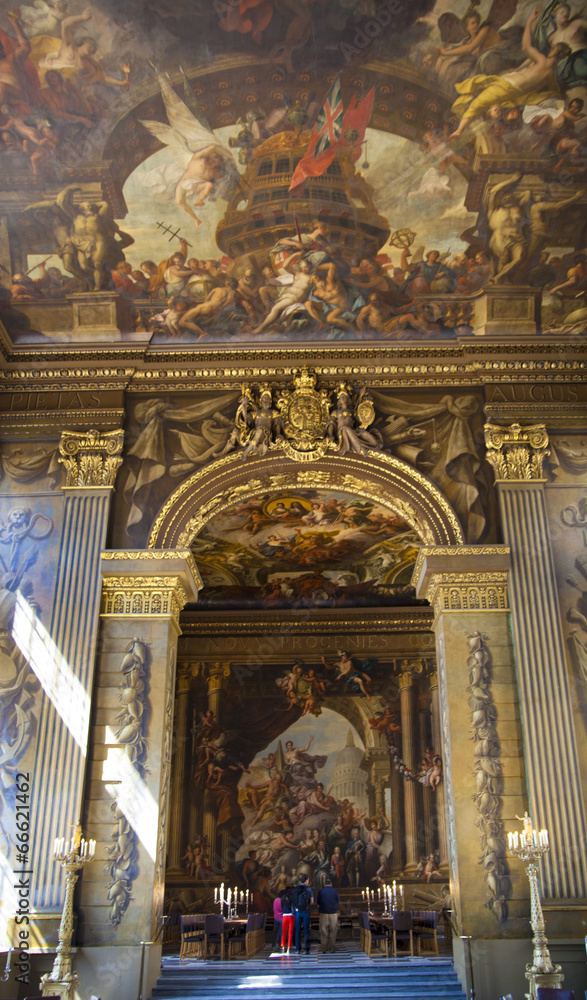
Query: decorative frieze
[[468, 592], [91, 458], [515, 452], [143, 596]]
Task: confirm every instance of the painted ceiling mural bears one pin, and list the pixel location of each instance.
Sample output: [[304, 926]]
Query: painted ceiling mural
[[306, 549], [246, 172]]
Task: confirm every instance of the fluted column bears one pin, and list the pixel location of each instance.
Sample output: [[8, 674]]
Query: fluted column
[[91, 460], [440, 793], [178, 796], [554, 785], [408, 707]]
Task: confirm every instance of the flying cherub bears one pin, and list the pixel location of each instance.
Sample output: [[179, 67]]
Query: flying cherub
[[208, 168]]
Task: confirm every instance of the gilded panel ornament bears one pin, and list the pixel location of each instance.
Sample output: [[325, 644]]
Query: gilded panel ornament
[[143, 597], [468, 592], [91, 458], [515, 452]]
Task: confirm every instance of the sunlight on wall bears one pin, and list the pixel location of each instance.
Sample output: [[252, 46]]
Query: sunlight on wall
[[66, 693], [8, 899], [133, 798]]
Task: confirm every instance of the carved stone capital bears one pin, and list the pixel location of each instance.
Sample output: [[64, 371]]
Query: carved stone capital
[[515, 452], [216, 673], [184, 679], [468, 592], [148, 583], [143, 597], [408, 670], [91, 458]]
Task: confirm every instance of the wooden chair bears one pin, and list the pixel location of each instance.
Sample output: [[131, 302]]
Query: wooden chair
[[213, 936], [424, 926], [243, 941], [402, 932], [362, 930], [192, 936], [373, 937]]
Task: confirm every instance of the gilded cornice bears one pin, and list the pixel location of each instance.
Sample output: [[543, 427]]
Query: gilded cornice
[[150, 556], [91, 458], [408, 620], [34, 423], [517, 453]]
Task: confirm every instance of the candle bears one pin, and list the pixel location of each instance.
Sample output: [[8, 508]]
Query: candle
[[363, 894], [216, 894], [379, 894], [8, 958]]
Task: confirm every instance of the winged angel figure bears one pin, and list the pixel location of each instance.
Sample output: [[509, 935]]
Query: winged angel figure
[[204, 168]]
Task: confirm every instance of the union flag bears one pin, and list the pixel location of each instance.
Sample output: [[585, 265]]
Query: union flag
[[325, 138]]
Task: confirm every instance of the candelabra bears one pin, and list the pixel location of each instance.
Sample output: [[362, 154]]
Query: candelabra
[[530, 846], [72, 855]]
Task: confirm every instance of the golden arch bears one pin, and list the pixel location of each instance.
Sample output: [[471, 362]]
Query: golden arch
[[380, 477]]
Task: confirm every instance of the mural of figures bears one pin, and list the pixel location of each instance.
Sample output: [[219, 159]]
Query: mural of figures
[[308, 549], [293, 772], [272, 172]]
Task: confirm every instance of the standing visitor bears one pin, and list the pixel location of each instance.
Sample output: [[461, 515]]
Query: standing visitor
[[328, 903], [302, 901], [287, 918]]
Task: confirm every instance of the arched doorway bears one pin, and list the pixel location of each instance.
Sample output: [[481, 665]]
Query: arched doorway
[[312, 625]]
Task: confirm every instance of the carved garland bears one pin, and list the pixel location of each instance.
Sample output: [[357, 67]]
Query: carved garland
[[123, 867], [488, 773]]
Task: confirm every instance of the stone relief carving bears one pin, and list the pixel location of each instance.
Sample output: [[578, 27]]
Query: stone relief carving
[[488, 774], [18, 725], [575, 516], [20, 538], [123, 867]]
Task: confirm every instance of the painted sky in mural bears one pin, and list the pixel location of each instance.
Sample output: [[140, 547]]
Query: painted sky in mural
[[318, 171], [306, 549]]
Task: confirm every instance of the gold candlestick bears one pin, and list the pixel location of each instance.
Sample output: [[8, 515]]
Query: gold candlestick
[[530, 846], [73, 855]]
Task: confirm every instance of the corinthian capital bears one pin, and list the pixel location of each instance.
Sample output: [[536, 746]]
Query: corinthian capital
[[516, 453], [91, 458]]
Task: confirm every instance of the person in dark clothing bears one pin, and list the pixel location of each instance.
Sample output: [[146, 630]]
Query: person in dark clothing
[[328, 903], [302, 901]]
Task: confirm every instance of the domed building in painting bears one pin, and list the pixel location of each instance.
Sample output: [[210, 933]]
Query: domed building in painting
[[349, 777], [340, 197]]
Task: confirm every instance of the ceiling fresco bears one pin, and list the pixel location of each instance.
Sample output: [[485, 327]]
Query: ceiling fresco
[[311, 548], [247, 172]]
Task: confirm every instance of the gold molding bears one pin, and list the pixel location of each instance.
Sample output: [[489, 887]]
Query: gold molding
[[91, 458], [143, 597], [468, 592], [517, 453]]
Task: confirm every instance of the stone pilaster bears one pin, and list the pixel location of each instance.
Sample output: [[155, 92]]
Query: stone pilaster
[[484, 779], [127, 801], [216, 674], [554, 786], [91, 461]]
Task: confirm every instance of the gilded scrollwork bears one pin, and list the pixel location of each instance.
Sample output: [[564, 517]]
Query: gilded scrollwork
[[91, 458], [488, 775], [515, 452]]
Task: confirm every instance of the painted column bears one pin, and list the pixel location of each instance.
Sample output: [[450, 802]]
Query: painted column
[[554, 785], [178, 771], [216, 674], [127, 801], [428, 833], [440, 793], [483, 766], [91, 461], [408, 705]]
